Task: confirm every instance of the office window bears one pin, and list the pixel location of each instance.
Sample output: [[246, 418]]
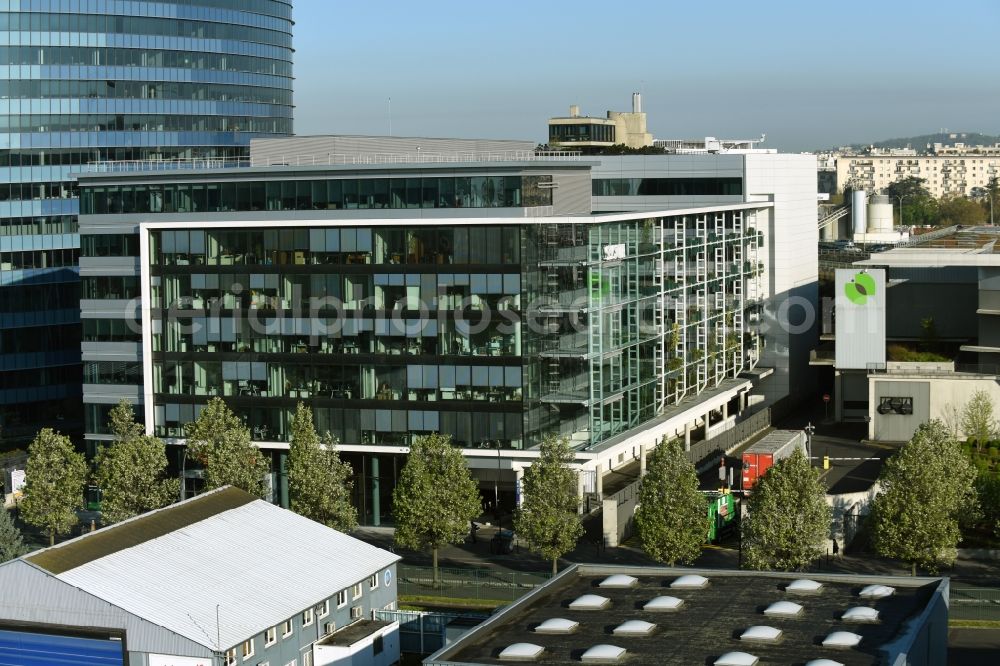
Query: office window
[[373, 581], [307, 617], [230, 657], [325, 609], [356, 591], [341, 598], [270, 636], [357, 612], [286, 629], [248, 649]]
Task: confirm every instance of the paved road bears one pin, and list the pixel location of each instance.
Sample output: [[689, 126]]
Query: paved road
[[973, 647]]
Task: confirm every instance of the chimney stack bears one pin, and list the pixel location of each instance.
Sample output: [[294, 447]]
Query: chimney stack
[[636, 102], [574, 111]]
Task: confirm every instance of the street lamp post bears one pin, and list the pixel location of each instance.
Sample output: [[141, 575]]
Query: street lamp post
[[496, 491], [901, 197], [809, 429], [990, 195]]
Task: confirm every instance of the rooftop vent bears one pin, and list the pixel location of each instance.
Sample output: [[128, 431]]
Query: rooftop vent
[[804, 586], [841, 639], [663, 604], [619, 580], [876, 592], [690, 581], [823, 662], [736, 659], [634, 628], [521, 652], [590, 602], [603, 654], [783, 609], [557, 625], [761, 633], [860, 614]]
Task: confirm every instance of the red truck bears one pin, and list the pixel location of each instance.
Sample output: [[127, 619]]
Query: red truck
[[776, 445]]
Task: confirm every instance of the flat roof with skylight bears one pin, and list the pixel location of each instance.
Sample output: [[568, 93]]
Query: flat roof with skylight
[[720, 619]]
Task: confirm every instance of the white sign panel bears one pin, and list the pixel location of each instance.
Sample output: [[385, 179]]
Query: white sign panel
[[169, 660], [614, 252], [860, 317], [16, 480]]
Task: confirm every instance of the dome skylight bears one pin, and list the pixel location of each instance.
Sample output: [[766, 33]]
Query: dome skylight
[[690, 581], [557, 625], [736, 659], [634, 628], [876, 592], [603, 654], [783, 609], [619, 580], [841, 639], [521, 652], [590, 602], [860, 614], [804, 586], [761, 633], [663, 604]]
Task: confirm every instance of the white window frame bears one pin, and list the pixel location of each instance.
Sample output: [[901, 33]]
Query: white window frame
[[248, 654], [326, 609], [291, 663], [270, 636], [308, 617], [373, 581], [290, 626], [357, 591], [307, 659], [230, 658], [341, 598]]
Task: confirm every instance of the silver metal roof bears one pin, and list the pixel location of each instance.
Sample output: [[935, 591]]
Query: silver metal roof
[[258, 563]]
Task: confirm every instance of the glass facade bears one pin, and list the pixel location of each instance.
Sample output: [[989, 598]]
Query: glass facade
[[388, 332], [326, 194], [109, 80], [581, 132], [666, 187]]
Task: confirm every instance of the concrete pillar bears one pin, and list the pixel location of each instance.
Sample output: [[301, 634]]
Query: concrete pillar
[[687, 436], [743, 401], [725, 411], [600, 482], [642, 460], [707, 419], [376, 498], [579, 490], [609, 522]]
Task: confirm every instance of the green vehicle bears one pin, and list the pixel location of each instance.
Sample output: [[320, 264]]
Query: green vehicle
[[721, 513]]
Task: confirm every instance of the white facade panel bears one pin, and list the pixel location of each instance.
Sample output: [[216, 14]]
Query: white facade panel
[[860, 318]]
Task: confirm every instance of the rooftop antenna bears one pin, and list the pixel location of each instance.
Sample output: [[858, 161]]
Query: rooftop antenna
[[390, 116]]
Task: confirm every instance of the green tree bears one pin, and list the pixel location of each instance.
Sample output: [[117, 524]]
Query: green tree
[[11, 542], [132, 471], [959, 210], [54, 480], [436, 498], [672, 516], [548, 518], [788, 518], [979, 423], [220, 441], [319, 483], [926, 487], [919, 207]]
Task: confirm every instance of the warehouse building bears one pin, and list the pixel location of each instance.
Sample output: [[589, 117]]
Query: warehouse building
[[664, 616], [217, 580]]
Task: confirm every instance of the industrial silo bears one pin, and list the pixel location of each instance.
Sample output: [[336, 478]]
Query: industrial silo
[[879, 214], [858, 211]]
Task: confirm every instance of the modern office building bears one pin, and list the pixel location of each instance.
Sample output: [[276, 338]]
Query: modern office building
[[482, 299], [166, 589], [914, 332], [664, 616], [97, 81]]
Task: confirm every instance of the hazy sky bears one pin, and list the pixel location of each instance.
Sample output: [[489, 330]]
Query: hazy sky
[[809, 74]]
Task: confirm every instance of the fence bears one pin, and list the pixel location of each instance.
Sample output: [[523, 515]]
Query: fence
[[974, 603], [478, 584], [423, 633], [729, 439]]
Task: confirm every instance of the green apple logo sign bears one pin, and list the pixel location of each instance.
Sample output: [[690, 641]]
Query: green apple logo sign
[[860, 288]]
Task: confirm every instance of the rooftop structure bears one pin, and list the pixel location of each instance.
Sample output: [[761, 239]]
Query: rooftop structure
[[590, 134], [755, 613], [168, 582]]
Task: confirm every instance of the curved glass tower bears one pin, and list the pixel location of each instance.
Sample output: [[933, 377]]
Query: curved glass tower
[[98, 80]]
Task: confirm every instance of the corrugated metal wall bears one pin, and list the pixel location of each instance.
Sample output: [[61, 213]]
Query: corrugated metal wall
[[287, 150]]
